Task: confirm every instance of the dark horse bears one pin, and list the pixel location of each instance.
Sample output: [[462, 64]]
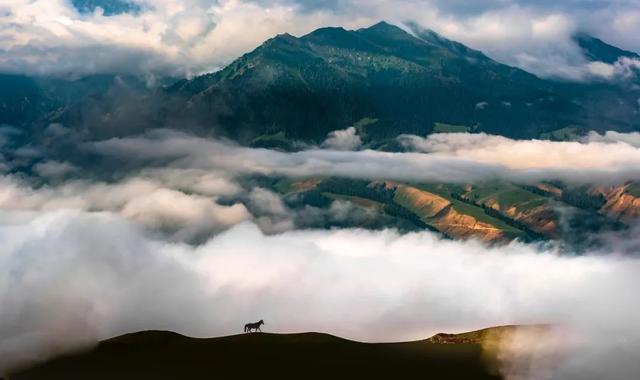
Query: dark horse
[[253, 326]]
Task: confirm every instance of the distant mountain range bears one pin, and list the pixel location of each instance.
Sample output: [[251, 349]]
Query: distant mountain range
[[382, 79]]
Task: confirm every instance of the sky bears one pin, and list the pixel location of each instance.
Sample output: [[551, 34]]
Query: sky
[[189, 37]]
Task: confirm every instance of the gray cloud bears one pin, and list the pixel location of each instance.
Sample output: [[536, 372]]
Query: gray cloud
[[54, 169]]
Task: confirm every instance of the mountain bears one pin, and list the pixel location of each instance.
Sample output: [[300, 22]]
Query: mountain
[[166, 355], [596, 50], [332, 78], [611, 102], [100, 105], [22, 101], [383, 80]]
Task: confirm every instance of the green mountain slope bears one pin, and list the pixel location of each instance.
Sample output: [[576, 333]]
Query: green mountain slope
[[331, 78], [492, 211], [97, 105], [596, 50]]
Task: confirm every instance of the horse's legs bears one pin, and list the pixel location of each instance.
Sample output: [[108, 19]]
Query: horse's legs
[[259, 329]]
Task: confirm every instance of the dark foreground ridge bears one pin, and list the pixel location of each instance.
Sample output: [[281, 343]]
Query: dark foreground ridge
[[166, 355]]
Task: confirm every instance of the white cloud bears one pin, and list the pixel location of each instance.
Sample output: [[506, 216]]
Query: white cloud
[[204, 182], [624, 68], [267, 201], [440, 157], [155, 205], [632, 138], [194, 216], [175, 37], [602, 69], [343, 139], [529, 154], [270, 212]]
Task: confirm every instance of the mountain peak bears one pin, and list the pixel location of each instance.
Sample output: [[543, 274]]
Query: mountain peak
[[391, 36], [337, 37], [282, 39], [330, 29], [327, 33], [285, 36], [383, 27]]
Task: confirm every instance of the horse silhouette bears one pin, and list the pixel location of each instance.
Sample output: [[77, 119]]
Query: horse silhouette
[[253, 326]]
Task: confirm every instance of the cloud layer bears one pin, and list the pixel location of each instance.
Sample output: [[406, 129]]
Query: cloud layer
[[188, 188], [599, 159]]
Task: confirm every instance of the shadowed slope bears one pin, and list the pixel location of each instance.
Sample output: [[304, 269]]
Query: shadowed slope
[[166, 355]]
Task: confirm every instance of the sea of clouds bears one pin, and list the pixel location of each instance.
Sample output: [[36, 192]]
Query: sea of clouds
[[155, 246], [190, 187], [70, 278]]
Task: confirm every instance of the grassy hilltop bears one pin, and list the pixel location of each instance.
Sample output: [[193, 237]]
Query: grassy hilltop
[[165, 355]]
